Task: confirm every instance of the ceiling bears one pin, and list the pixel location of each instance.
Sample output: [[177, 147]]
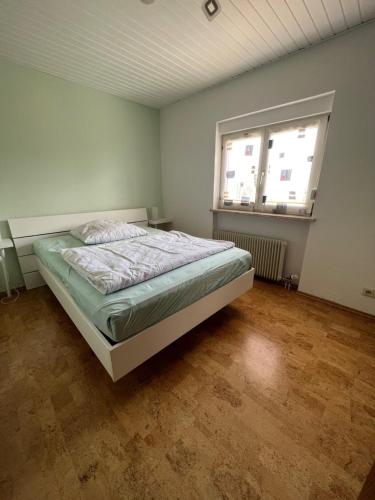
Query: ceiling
[[156, 54]]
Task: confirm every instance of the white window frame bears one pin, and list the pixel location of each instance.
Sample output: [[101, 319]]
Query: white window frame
[[265, 131]]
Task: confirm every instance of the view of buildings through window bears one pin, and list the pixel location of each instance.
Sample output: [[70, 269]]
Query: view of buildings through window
[[242, 167], [289, 164], [269, 166]]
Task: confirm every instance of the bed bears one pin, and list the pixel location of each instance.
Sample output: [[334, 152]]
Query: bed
[[127, 327]]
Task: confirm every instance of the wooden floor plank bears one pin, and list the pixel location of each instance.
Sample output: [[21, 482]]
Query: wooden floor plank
[[272, 398]]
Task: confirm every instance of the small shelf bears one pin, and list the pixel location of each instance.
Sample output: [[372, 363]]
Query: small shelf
[[156, 222], [263, 214], [6, 243]]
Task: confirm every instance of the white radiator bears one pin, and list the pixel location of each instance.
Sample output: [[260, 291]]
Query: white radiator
[[268, 253]]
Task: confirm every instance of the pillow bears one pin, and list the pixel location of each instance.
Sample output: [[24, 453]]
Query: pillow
[[105, 231]]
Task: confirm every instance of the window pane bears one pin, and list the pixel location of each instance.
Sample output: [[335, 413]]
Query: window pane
[[241, 164], [289, 162]]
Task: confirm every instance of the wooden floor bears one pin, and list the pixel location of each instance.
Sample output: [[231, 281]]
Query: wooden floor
[[273, 397]]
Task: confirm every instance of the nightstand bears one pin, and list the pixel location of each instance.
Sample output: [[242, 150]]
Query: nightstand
[[164, 224], [3, 245]]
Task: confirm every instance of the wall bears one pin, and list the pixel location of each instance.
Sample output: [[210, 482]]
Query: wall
[[68, 148], [337, 249]]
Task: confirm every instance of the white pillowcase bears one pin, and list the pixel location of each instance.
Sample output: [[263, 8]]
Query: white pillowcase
[[105, 231]]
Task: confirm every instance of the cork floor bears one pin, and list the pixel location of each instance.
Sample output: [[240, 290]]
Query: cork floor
[[271, 398]]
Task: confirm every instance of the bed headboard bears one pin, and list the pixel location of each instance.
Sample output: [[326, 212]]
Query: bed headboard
[[26, 230]]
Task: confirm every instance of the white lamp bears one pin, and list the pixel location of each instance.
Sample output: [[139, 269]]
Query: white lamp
[[154, 213]]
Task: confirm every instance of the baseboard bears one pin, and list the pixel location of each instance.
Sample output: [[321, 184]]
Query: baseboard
[[336, 305]]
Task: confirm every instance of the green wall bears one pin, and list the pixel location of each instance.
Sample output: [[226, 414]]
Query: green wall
[[68, 148]]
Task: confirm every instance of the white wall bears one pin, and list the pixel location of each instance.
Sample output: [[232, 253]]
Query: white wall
[[339, 258]]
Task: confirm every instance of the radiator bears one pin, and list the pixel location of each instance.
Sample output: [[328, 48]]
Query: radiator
[[268, 253]]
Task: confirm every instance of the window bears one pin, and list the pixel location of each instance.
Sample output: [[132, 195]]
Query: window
[[274, 168]]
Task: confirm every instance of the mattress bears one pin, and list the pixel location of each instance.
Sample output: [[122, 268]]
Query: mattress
[[122, 314]]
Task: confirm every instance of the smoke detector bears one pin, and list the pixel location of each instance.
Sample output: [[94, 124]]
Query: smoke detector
[[211, 8]]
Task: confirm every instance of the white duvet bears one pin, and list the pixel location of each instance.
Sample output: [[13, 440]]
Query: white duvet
[[125, 263]]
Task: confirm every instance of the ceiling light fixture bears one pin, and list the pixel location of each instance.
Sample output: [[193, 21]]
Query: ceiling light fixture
[[211, 8]]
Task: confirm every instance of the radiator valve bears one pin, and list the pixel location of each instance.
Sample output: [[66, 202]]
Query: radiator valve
[[290, 281]]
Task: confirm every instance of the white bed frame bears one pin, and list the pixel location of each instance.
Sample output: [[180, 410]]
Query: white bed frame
[[118, 359]]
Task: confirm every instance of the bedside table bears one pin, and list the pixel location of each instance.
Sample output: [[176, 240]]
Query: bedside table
[[7, 243], [163, 224]]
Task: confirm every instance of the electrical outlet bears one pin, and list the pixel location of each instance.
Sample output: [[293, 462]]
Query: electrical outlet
[[368, 292]]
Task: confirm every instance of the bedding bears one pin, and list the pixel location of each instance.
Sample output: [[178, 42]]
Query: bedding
[[125, 263], [123, 314], [105, 231]]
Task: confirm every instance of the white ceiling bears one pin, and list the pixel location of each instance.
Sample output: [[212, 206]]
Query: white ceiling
[[155, 54]]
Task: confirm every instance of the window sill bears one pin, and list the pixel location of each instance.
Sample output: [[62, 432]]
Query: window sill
[[261, 214]]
